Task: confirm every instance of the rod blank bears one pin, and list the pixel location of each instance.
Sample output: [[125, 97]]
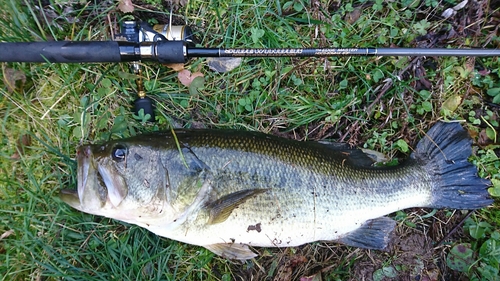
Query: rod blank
[[333, 52], [438, 52]]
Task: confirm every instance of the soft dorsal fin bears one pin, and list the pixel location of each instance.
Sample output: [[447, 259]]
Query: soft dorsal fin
[[220, 209], [353, 156], [373, 234], [232, 251]]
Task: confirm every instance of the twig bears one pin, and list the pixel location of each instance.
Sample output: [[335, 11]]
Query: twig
[[454, 229]]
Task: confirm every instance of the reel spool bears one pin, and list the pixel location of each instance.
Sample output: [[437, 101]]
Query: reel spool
[[175, 32], [142, 32]]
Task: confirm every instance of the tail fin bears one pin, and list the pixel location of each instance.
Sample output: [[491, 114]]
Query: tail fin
[[444, 152]]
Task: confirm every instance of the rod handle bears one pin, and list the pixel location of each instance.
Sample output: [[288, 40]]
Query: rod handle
[[60, 51]]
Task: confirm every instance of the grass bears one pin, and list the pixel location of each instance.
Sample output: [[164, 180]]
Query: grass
[[382, 103]]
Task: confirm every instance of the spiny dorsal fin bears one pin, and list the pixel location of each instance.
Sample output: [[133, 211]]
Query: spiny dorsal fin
[[232, 251], [220, 209]]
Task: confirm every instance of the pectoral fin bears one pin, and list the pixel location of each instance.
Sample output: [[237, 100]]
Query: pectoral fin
[[373, 234], [220, 209], [232, 251]]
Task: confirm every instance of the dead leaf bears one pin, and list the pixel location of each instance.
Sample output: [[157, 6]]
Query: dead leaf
[[353, 16], [452, 103], [175, 66], [453, 11], [126, 6], [186, 77], [285, 271], [223, 64], [13, 79], [24, 141], [179, 2], [315, 277], [483, 139], [484, 72], [473, 134], [469, 64], [448, 13], [6, 234]]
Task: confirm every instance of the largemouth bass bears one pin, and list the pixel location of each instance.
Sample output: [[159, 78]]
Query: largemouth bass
[[225, 190]]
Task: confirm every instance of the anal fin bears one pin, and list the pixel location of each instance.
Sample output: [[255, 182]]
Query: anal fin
[[232, 251], [373, 234]]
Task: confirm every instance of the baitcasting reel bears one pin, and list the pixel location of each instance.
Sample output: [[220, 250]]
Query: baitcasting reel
[[143, 33]]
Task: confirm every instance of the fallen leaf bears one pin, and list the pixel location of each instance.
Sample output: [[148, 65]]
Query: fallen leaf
[[223, 64], [286, 270], [484, 72], [186, 77], [448, 13], [315, 277], [197, 74], [15, 156], [452, 103], [353, 16], [126, 6], [12, 77], [461, 5], [24, 140], [483, 138], [178, 2], [453, 11], [175, 66], [6, 234]]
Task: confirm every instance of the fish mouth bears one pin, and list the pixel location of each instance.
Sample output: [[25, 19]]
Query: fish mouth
[[72, 197], [96, 185], [75, 198], [83, 159]]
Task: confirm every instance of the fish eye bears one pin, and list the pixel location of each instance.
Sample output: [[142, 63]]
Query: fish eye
[[119, 153]]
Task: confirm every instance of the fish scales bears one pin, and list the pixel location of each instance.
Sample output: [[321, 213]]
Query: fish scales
[[225, 189]]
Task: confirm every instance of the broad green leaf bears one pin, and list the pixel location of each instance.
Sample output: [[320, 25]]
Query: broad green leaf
[[493, 92], [106, 83], [196, 84], [402, 145], [495, 190], [460, 257]]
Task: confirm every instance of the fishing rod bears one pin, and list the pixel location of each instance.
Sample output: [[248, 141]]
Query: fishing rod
[[166, 51], [174, 44]]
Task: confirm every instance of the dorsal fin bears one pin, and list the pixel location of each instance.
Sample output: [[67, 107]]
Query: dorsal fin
[[352, 156]]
